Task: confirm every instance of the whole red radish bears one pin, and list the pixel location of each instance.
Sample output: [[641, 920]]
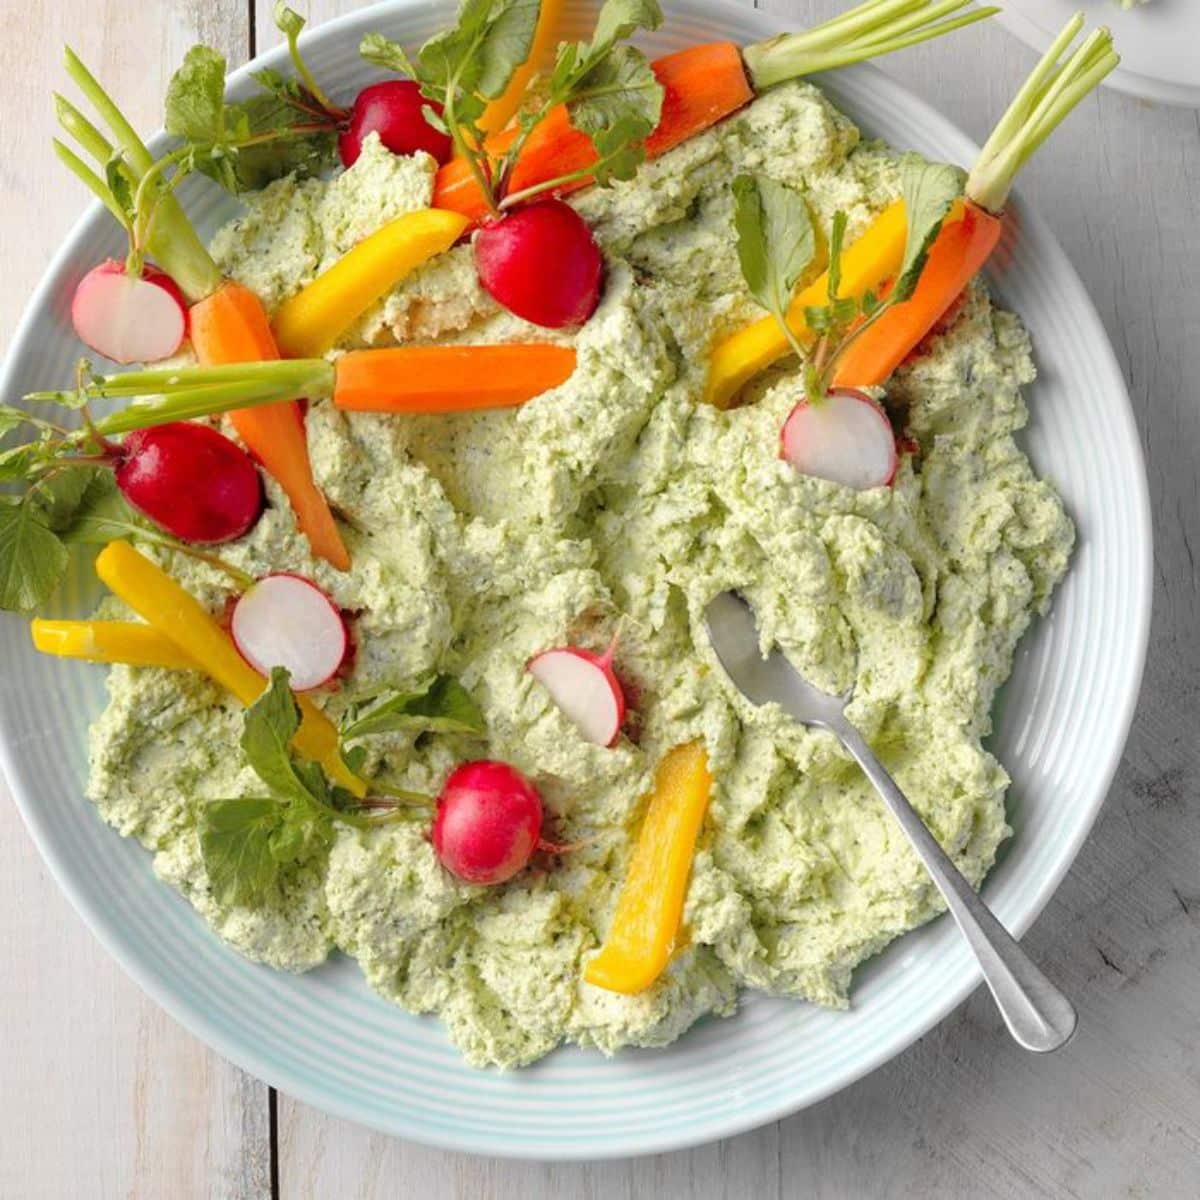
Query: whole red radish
[[487, 823], [129, 318], [191, 480], [542, 263], [585, 686], [846, 438], [394, 110], [285, 620]]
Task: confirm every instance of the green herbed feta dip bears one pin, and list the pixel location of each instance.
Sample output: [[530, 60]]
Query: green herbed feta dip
[[619, 500]]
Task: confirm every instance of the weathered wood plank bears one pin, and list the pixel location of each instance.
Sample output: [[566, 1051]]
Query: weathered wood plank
[[101, 1094]]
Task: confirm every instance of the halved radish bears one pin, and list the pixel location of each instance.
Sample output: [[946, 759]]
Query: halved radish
[[287, 621], [129, 318], [585, 688], [846, 438]]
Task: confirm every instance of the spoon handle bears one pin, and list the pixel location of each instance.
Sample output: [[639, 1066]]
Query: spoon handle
[[1037, 1014]]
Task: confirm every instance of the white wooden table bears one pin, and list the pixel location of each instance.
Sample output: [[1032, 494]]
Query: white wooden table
[[101, 1095]]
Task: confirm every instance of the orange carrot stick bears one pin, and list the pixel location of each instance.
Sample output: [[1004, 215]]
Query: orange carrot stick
[[445, 379], [701, 85], [230, 326], [1061, 79], [958, 252]]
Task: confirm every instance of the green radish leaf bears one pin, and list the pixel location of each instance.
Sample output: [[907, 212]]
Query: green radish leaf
[[303, 155], [610, 91], [62, 493], [102, 515], [617, 103], [470, 63], [12, 418], [621, 151], [271, 723], [17, 462], [301, 836], [291, 24], [830, 318], [775, 241], [438, 704], [245, 842], [272, 81], [236, 845], [120, 184], [355, 758], [383, 52], [244, 147], [288, 21], [195, 105], [506, 43], [929, 190], [618, 19], [448, 65], [32, 559]]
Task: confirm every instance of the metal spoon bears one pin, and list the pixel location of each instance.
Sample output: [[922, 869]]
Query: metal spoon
[[1037, 1014]]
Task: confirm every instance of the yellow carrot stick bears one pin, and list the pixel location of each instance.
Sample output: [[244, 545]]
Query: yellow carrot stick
[[501, 110], [127, 642], [308, 324], [650, 905], [867, 264], [169, 608]]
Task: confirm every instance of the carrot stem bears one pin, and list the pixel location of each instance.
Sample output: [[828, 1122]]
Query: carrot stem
[[172, 242], [91, 181], [401, 379], [1054, 88], [872, 29], [72, 121], [160, 396]]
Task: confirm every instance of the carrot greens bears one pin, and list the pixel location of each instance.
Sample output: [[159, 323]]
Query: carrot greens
[[1058, 83], [435, 704], [870, 30], [247, 841], [608, 88], [775, 242]]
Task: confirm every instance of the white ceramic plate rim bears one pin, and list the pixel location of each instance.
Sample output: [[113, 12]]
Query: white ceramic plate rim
[[1018, 917]]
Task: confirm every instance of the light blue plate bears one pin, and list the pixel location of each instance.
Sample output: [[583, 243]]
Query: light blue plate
[[327, 1040]]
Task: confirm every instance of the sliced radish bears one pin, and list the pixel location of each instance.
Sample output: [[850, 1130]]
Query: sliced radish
[[585, 687], [847, 439], [129, 318], [287, 621]]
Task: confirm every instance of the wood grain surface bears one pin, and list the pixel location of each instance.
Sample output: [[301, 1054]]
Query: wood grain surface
[[101, 1095]]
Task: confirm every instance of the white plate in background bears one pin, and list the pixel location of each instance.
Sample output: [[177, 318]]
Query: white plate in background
[[1159, 42]]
